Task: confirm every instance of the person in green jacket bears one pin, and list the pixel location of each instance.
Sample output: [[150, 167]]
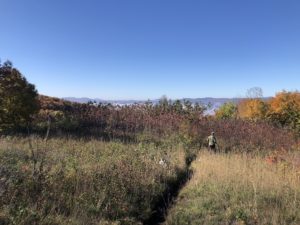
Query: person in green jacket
[[212, 142]]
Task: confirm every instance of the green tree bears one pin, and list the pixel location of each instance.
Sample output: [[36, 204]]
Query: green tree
[[18, 98], [164, 104], [187, 105], [177, 106], [227, 111]]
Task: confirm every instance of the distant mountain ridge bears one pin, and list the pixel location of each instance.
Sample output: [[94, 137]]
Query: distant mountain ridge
[[205, 100], [98, 100], [212, 103]]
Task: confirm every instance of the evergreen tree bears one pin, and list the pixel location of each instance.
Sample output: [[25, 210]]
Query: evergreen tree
[[18, 98]]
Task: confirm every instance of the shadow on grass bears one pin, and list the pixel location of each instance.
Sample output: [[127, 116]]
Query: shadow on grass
[[171, 193]]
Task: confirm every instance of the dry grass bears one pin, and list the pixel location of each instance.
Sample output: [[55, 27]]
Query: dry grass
[[239, 189], [69, 181]]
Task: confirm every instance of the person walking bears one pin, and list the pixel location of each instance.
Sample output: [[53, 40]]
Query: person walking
[[212, 142]]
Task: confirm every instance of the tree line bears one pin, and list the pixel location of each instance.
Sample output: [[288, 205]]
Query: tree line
[[282, 110], [23, 109]]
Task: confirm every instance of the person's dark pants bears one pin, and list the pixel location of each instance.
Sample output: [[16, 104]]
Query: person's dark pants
[[212, 148]]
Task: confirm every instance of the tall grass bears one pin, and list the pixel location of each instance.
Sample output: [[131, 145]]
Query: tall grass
[[68, 181], [239, 189], [86, 181]]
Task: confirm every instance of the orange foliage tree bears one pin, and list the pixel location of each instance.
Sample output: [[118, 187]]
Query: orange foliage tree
[[284, 109]]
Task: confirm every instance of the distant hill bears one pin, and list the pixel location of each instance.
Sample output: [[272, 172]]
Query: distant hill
[[98, 100], [122, 102], [204, 101], [212, 103]]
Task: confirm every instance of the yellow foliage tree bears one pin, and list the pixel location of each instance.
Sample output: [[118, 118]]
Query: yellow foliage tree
[[252, 109]]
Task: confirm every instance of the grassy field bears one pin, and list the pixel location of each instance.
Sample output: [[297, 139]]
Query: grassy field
[[71, 181], [239, 189], [130, 181]]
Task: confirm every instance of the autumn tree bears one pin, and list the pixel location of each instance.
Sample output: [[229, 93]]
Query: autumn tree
[[18, 98], [253, 107], [285, 109]]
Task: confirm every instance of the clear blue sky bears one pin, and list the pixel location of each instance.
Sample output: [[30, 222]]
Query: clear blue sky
[[140, 49]]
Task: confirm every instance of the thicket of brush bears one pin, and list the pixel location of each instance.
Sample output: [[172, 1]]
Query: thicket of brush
[[149, 122]]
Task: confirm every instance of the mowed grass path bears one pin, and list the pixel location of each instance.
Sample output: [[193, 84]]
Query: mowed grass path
[[238, 189]]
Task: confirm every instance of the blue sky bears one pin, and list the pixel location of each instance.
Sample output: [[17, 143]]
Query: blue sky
[[140, 49]]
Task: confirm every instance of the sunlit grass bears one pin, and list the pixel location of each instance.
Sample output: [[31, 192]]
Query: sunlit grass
[[239, 189]]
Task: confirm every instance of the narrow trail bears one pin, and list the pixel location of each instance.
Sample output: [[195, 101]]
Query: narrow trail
[[170, 195]]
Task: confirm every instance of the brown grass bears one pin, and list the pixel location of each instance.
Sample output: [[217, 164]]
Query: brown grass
[[68, 181], [239, 189]]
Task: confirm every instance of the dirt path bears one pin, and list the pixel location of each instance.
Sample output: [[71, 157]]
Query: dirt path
[[169, 197]]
